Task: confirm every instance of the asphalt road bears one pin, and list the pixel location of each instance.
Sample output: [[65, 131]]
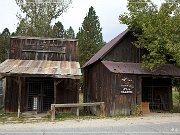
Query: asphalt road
[[126, 126], [159, 129]]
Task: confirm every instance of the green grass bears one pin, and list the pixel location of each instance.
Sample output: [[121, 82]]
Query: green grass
[[176, 102], [175, 97]]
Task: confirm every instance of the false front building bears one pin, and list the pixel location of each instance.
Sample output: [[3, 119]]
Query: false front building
[[40, 71]]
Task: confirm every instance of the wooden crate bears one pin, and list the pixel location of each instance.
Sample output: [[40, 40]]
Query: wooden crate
[[145, 107]]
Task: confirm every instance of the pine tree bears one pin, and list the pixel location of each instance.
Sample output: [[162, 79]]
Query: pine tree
[[90, 36], [4, 38], [69, 33], [58, 30]]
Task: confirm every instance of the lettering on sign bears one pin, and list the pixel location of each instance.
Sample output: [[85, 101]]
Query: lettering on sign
[[127, 85]]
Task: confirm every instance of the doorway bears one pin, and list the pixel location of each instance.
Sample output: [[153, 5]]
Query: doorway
[[158, 92], [40, 94]]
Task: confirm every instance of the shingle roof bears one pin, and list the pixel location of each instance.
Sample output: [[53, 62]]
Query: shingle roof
[[103, 51]]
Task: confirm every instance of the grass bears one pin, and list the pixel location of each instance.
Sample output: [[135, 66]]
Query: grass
[[175, 97], [176, 101], [6, 117]]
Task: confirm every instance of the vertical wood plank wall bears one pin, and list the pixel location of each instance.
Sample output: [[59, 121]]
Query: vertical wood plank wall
[[43, 49]]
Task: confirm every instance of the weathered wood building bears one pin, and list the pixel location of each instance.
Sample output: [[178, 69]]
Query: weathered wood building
[[115, 75], [40, 71]]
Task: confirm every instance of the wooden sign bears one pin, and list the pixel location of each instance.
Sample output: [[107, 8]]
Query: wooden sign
[[127, 86]]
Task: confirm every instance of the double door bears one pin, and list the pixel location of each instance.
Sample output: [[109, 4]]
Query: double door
[[40, 94]]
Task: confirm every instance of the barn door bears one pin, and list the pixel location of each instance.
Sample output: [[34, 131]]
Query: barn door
[[40, 94]]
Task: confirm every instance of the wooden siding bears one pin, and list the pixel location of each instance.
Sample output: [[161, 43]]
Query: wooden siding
[[36, 49], [97, 85], [103, 86], [67, 92], [123, 102], [125, 51]]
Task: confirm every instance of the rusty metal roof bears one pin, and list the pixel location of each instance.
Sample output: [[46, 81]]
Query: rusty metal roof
[[103, 51], [41, 68], [137, 68]]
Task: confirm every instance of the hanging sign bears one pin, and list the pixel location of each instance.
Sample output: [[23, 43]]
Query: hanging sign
[[127, 85]]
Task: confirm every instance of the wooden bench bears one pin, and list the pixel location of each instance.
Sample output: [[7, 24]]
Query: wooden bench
[[77, 105]]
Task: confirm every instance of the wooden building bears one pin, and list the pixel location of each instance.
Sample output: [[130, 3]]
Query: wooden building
[[40, 71], [115, 75]]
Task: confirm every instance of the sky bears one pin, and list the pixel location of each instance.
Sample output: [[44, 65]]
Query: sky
[[108, 12]]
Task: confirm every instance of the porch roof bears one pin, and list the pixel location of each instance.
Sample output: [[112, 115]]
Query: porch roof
[[138, 69], [41, 68]]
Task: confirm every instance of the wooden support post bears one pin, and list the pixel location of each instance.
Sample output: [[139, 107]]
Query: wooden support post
[[53, 112], [55, 91], [19, 97], [102, 109], [77, 111]]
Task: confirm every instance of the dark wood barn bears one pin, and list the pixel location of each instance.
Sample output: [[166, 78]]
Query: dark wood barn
[[115, 75], [40, 71]]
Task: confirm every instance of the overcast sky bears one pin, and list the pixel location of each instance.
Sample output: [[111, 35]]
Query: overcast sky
[[107, 10]]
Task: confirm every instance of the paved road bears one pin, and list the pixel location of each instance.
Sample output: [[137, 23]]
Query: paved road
[[163, 125], [149, 129]]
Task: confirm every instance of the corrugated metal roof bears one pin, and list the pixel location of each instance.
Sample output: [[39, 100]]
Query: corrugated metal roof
[[103, 51], [44, 68], [137, 68]]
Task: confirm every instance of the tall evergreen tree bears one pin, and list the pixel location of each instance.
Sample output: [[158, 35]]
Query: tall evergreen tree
[[58, 30], [4, 38], [90, 36], [39, 15], [69, 33]]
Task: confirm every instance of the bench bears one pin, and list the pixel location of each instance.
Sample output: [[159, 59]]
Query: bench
[[77, 105]]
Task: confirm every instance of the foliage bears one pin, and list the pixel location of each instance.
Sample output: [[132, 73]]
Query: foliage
[[69, 33], [4, 39], [58, 30], [90, 36], [176, 94], [157, 30], [37, 15], [136, 110]]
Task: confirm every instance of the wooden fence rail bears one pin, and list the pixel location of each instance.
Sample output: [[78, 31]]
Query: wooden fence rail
[[77, 105]]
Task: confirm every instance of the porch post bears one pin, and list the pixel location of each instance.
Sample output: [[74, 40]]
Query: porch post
[[19, 96], [55, 91]]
